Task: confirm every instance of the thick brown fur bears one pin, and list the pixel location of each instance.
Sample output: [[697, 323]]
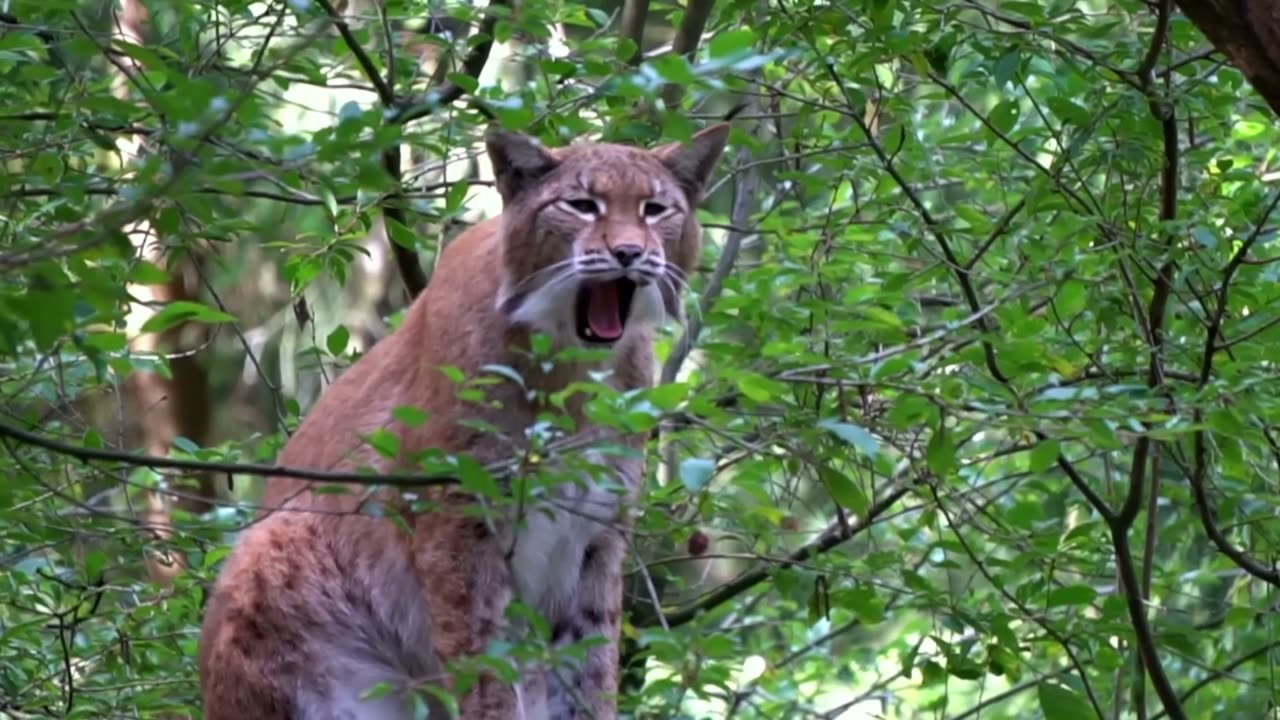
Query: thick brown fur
[[319, 602]]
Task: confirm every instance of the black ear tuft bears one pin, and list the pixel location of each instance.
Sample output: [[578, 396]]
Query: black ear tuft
[[518, 161], [692, 162]]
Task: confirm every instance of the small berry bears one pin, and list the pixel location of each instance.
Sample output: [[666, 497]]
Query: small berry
[[698, 543]]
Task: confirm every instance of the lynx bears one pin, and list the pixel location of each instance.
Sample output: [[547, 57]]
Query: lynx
[[320, 601]]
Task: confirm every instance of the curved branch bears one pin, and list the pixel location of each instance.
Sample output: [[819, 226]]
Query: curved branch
[[1242, 559], [836, 534], [446, 91], [1157, 42], [1200, 465], [386, 93]]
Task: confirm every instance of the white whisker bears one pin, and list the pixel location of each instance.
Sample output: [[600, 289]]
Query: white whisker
[[675, 292], [537, 274], [679, 282]]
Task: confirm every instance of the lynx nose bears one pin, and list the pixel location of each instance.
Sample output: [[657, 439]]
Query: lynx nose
[[627, 254]]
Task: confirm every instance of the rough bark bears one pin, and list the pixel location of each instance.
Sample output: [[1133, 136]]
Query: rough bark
[[1248, 33]]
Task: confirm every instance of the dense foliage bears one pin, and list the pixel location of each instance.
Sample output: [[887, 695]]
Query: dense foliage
[[974, 413]]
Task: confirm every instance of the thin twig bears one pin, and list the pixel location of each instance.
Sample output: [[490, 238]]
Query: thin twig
[[386, 93], [835, 535]]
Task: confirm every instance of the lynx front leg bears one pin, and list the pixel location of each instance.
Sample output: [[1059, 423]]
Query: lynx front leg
[[462, 567], [592, 608], [587, 689], [567, 562]]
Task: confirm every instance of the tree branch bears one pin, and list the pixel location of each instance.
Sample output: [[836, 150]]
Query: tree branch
[[634, 15], [411, 271], [446, 91], [1157, 42], [836, 534], [744, 198], [1223, 673], [124, 212], [1118, 530], [685, 43], [88, 454], [386, 93]]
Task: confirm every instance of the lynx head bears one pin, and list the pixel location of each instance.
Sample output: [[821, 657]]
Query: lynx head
[[598, 238]]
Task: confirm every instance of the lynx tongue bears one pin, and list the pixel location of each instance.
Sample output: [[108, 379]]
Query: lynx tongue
[[604, 310]]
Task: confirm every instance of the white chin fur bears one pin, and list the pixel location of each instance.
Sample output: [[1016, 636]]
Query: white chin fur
[[551, 310]]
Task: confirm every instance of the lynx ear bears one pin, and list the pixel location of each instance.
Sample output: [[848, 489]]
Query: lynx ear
[[693, 162], [518, 161]]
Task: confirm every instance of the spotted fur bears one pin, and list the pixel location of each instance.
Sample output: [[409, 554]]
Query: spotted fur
[[319, 602]]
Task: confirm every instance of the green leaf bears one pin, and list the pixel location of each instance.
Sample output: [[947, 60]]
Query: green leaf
[[695, 473], [107, 341], [92, 439], [385, 442], [1071, 595], [855, 435], [1044, 455], [337, 340], [94, 562], [1071, 298], [940, 454], [148, 273], [668, 397], [760, 388], [410, 415], [180, 311], [844, 491], [476, 478], [1004, 115], [1068, 111], [464, 81], [167, 222], [1061, 703], [401, 235], [457, 193], [674, 69], [1006, 67], [863, 601], [47, 166], [731, 42]]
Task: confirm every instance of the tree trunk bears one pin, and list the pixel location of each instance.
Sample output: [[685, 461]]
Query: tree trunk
[[163, 407], [1248, 33]]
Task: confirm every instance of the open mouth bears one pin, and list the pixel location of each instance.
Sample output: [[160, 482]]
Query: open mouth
[[602, 310]]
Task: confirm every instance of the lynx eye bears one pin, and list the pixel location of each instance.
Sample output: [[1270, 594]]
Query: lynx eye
[[586, 206], [652, 209]]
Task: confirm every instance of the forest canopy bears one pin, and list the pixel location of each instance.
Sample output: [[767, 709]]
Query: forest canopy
[[973, 412]]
